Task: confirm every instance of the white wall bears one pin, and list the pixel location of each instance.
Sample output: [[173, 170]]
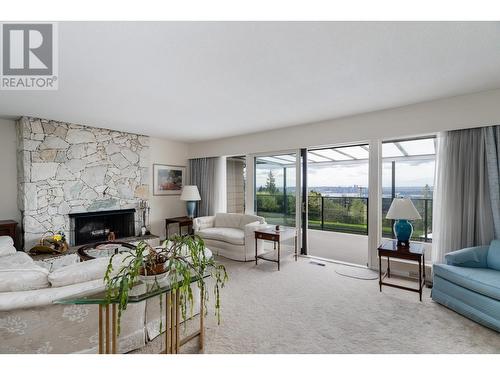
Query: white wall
[[172, 153], [8, 171], [466, 111]]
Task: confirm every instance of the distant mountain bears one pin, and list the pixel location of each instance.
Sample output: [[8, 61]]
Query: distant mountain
[[362, 191]]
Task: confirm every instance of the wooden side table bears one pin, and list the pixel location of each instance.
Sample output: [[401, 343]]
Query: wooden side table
[[182, 221], [8, 228], [276, 236], [416, 253]]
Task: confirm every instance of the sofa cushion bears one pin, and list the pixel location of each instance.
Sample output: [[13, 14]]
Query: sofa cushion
[[18, 273], [6, 246], [481, 280], [6, 240], [493, 259], [231, 235], [93, 269], [223, 220], [15, 261], [231, 220]]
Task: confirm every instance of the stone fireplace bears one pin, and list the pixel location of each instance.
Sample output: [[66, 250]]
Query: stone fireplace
[[66, 169]]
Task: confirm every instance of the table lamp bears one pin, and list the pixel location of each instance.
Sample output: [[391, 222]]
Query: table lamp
[[191, 195], [402, 210]]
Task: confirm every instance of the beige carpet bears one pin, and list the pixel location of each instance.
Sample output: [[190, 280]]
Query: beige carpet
[[306, 308]]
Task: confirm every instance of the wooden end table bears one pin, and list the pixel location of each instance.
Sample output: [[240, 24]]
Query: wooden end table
[[415, 252], [182, 221], [276, 236]]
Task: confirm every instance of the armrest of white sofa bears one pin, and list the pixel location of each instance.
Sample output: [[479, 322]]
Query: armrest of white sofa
[[203, 222]]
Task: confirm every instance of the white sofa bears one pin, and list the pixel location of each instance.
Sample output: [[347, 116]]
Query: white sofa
[[231, 235], [30, 322]]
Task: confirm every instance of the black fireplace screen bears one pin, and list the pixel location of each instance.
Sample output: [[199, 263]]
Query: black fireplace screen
[[91, 227]]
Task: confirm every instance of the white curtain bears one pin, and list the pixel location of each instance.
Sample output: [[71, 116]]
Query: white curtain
[[493, 162], [462, 211], [202, 174], [209, 174], [220, 203]]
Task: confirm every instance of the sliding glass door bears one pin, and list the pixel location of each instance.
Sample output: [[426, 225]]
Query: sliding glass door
[[277, 188], [337, 189]]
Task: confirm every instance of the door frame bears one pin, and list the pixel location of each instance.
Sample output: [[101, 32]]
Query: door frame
[[251, 196]]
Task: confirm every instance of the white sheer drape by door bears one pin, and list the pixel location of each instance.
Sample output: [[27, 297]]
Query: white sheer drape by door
[[462, 211]]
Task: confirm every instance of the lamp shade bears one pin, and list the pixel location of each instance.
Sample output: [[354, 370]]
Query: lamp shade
[[190, 193], [402, 208]]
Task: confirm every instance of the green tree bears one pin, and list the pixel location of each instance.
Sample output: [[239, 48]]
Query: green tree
[[358, 210], [271, 183], [314, 203]]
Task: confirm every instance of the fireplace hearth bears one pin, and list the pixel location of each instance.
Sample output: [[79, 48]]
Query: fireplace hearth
[[88, 227]]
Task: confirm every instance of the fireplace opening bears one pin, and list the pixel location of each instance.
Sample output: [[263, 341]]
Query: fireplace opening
[[88, 227]]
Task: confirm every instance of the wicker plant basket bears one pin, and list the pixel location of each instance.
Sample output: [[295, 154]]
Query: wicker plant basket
[[48, 245]]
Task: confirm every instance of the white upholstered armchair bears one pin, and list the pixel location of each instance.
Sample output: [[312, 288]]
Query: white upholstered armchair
[[230, 235]]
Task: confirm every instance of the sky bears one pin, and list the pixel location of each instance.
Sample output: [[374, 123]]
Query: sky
[[415, 173]]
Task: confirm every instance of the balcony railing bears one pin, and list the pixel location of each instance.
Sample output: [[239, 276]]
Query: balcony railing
[[341, 214]]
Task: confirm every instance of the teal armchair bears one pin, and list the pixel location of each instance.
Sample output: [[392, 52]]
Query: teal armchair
[[469, 283]]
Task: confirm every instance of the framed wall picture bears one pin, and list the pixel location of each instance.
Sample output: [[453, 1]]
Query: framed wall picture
[[168, 179]]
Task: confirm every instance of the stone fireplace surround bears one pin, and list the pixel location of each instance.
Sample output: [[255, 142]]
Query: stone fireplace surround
[[68, 168]]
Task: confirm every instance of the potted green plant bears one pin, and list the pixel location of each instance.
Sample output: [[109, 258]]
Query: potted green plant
[[180, 258]]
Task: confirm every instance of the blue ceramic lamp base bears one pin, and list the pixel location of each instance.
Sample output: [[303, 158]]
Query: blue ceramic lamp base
[[403, 231], [191, 207]]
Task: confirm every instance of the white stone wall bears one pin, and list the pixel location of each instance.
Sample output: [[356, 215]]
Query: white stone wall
[[67, 168]]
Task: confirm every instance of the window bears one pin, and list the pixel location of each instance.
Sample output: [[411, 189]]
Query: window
[[275, 188], [338, 189], [408, 171]]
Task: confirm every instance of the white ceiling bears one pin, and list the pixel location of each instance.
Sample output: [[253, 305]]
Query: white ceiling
[[195, 81]]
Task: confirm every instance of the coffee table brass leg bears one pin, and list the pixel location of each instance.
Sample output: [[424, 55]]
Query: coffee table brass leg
[[99, 333], [167, 323], [177, 321], [107, 330], [172, 323], [202, 318], [113, 329]]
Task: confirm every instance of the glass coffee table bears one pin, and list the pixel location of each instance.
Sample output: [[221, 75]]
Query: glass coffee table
[[103, 249], [107, 326]]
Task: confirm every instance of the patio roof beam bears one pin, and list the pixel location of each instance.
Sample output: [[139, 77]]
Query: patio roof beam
[[344, 153], [321, 156], [426, 157], [401, 148], [280, 158]]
